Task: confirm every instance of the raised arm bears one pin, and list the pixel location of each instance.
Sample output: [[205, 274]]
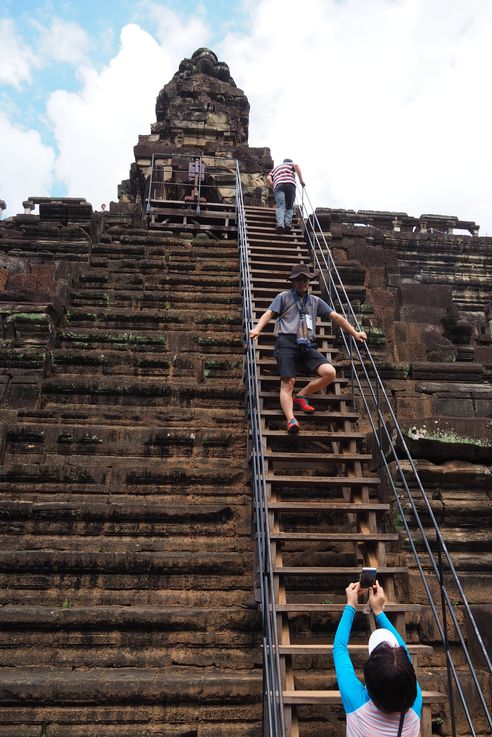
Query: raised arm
[[352, 691], [299, 174]]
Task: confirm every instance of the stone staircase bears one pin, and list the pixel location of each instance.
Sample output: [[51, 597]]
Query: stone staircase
[[327, 517], [126, 559]]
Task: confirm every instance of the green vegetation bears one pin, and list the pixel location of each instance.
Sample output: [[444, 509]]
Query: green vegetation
[[28, 317], [422, 433]]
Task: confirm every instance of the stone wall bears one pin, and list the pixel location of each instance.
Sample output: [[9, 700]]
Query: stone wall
[[424, 298]]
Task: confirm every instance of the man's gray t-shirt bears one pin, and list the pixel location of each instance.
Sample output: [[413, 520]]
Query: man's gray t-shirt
[[286, 307]]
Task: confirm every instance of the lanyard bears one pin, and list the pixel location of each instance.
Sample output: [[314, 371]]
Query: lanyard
[[301, 305]]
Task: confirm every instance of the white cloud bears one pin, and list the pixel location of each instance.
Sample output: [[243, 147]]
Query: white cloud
[[384, 104], [63, 41], [96, 128], [16, 58], [27, 165], [181, 35]]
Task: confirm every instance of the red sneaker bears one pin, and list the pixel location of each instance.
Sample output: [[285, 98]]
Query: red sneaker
[[301, 403], [293, 426]]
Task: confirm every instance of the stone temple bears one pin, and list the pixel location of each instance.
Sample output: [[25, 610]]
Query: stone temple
[[133, 601]]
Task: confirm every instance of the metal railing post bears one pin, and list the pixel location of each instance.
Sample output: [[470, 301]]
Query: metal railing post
[[446, 638]]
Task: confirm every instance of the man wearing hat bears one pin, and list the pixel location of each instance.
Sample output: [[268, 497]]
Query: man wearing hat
[[282, 179], [296, 312]]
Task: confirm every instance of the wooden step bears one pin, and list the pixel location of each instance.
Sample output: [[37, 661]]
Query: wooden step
[[319, 414], [335, 570], [315, 434], [328, 506], [322, 480], [260, 267], [306, 649], [358, 537], [333, 697], [300, 379], [305, 608], [321, 457], [269, 249]]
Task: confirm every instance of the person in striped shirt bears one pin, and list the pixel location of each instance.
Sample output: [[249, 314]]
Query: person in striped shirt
[[390, 702], [282, 179]]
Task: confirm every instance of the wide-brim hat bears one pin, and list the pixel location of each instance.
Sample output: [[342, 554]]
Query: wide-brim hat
[[300, 270], [382, 635]]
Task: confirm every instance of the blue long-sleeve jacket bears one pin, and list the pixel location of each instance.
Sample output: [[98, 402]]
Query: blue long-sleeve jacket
[[364, 719]]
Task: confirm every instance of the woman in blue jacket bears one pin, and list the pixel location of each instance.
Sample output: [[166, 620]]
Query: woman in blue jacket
[[390, 702]]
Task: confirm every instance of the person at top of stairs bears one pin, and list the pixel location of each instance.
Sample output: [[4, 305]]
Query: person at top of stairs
[[296, 311], [390, 702], [282, 179]]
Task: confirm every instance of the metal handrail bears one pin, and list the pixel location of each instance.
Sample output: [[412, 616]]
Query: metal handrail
[[272, 686], [384, 423]]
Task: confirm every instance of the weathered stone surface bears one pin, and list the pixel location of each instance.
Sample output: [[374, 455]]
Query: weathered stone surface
[[129, 488], [200, 113], [440, 438]]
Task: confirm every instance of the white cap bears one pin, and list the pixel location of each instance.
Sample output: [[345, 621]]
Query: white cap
[[382, 635]]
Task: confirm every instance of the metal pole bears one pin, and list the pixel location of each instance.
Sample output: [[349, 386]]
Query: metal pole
[[446, 639]]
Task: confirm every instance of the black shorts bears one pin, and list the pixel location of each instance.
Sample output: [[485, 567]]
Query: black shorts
[[291, 360]]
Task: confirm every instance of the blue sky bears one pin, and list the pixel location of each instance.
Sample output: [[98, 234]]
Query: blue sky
[[386, 104]]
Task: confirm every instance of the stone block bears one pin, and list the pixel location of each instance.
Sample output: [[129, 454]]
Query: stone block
[[4, 380], [482, 614], [438, 371], [439, 296], [372, 255], [421, 313], [375, 277], [410, 351], [437, 347], [414, 407], [382, 298], [483, 407], [22, 393], [454, 407]]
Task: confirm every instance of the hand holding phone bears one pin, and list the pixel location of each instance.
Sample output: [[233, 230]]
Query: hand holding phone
[[377, 599], [367, 578]]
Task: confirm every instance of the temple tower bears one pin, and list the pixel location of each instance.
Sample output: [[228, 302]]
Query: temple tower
[[200, 113]]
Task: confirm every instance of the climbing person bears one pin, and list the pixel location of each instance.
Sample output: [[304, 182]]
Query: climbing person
[[296, 311], [390, 702], [282, 179]]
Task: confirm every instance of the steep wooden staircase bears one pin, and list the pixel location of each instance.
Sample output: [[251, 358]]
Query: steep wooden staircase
[[326, 518]]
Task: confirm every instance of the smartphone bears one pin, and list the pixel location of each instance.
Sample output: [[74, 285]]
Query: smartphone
[[368, 577]]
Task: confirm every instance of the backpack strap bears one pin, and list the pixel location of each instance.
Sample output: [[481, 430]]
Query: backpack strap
[[282, 312], [284, 309]]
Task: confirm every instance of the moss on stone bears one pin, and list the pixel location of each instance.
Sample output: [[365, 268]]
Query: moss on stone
[[422, 433], [28, 317]]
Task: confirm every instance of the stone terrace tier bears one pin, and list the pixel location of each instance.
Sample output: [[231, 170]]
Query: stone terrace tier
[[126, 558]]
